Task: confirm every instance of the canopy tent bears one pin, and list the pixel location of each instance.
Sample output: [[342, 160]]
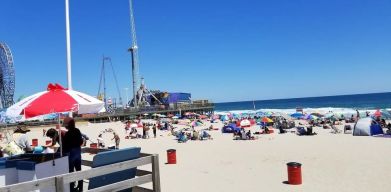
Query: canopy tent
[[367, 127], [55, 99]]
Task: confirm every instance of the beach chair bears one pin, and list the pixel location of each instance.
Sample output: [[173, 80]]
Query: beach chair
[[111, 157], [347, 129]]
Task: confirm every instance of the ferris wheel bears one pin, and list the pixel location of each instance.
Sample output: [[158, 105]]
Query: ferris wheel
[[7, 77]]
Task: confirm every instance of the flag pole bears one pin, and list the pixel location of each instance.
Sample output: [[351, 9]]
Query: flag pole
[[68, 41]]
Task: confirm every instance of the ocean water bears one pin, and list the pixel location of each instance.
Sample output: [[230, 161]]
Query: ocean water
[[362, 102]]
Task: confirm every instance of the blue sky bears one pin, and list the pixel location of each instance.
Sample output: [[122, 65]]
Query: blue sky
[[220, 50]]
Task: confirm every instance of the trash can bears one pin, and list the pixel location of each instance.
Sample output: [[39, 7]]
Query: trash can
[[171, 156], [294, 173], [94, 145], [34, 142]]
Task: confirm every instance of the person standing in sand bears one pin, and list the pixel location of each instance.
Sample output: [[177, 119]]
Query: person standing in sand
[[72, 147], [154, 130], [116, 139]]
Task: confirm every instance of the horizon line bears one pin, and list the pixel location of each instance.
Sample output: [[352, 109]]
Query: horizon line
[[307, 97]]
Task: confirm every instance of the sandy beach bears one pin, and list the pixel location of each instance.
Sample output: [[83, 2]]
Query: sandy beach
[[330, 162]]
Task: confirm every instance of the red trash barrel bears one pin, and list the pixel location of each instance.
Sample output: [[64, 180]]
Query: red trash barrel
[[171, 156], [294, 173], [94, 145], [34, 142]]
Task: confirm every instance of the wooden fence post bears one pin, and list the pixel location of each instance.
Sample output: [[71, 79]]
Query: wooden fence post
[[155, 173]]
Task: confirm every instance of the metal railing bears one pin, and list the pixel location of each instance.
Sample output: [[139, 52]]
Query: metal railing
[[60, 181]]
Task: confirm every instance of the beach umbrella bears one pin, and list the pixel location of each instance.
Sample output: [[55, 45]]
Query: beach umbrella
[[55, 99], [155, 114], [266, 120], [170, 115], [236, 116], [386, 114], [267, 114], [277, 114], [183, 122], [260, 113], [245, 123], [224, 118], [311, 117], [203, 116], [175, 117], [216, 117], [317, 114], [145, 114], [297, 115], [162, 116], [196, 123], [328, 115]]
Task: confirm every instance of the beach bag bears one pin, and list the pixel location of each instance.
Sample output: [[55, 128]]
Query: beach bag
[[13, 149]]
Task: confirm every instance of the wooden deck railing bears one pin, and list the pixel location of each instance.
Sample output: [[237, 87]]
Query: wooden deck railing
[[59, 181]]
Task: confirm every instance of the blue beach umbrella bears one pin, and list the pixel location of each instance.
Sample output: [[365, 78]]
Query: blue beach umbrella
[[297, 115], [312, 117], [224, 118]]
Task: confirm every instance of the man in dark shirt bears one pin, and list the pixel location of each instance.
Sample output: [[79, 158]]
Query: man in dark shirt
[[72, 147]]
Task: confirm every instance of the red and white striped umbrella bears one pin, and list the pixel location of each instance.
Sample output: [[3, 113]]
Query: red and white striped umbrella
[[55, 100]]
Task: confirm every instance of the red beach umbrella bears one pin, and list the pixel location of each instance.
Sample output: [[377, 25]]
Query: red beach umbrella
[[55, 99]]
